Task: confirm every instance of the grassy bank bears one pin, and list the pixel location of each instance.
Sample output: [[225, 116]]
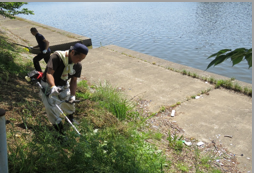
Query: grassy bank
[[115, 135], [11, 63]]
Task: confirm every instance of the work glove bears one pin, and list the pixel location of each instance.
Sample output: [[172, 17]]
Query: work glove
[[54, 90], [45, 51], [72, 99]]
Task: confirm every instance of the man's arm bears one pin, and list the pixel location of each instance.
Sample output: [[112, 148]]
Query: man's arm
[[47, 43], [50, 78], [73, 85]]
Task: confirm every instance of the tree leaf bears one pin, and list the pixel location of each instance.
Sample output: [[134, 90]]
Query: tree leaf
[[240, 50], [223, 51], [217, 61], [249, 59], [220, 59], [249, 51], [237, 60], [212, 55], [236, 55], [219, 53], [211, 63], [230, 54], [10, 9]]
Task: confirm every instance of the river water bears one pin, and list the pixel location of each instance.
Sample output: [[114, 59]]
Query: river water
[[181, 32]]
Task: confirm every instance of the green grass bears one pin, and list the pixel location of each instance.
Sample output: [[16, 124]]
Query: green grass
[[157, 136], [193, 96], [219, 83], [162, 109], [175, 142], [184, 72], [212, 80], [195, 75], [113, 101], [182, 167], [110, 149], [9, 55], [228, 84], [237, 87]]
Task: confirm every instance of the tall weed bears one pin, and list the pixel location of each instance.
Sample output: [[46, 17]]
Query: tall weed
[[113, 101]]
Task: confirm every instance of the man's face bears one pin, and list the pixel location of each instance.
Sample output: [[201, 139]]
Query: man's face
[[33, 33], [76, 58]]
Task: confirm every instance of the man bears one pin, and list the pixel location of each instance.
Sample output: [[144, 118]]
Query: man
[[2, 12], [44, 48], [62, 66]]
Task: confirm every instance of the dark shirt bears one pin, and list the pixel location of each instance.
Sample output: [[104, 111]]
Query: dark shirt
[[40, 42], [55, 62]]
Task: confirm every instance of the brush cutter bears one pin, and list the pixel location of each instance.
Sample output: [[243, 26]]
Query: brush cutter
[[62, 113], [21, 45], [34, 77]]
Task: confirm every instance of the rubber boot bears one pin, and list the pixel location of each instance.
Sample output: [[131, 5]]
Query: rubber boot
[[70, 117], [59, 128]]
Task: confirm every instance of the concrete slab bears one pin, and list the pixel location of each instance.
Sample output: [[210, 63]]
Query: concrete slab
[[156, 84], [221, 113]]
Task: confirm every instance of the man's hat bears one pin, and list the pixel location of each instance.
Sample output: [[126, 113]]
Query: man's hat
[[80, 48]]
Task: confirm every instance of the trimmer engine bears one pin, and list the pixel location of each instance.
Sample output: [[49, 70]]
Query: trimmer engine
[[34, 76]]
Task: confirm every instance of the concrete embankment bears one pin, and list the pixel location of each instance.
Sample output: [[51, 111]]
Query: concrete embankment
[[59, 39], [212, 116]]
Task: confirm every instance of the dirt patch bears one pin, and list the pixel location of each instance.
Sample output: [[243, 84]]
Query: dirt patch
[[163, 123], [16, 96]]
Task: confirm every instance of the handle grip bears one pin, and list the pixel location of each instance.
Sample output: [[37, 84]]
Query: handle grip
[[75, 101]]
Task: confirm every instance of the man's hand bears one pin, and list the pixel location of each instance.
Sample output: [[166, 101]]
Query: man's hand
[[45, 51], [30, 47], [72, 99], [54, 90]]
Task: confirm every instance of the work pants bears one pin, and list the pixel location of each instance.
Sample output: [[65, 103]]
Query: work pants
[[39, 57]]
